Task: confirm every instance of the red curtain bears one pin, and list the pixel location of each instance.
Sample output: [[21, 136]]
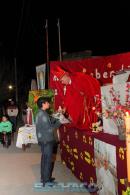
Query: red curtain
[[101, 68]]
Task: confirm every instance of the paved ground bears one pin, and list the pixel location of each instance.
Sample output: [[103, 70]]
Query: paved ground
[[19, 170]]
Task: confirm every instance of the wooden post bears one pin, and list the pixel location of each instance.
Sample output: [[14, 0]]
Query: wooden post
[[47, 57], [59, 38], [16, 84]]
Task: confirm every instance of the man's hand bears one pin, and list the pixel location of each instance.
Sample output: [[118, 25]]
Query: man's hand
[[64, 110], [61, 110], [63, 119]]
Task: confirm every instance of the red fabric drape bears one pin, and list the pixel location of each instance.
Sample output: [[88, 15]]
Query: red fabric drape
[[102, 68]]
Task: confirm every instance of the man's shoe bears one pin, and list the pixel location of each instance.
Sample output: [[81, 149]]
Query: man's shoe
[[41, 180], [43, 184], [52, 179], [48, 183]]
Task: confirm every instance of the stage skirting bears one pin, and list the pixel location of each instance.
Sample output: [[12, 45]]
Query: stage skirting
[[85, 154]]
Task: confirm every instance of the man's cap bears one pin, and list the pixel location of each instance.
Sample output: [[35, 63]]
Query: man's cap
[[59, 72]]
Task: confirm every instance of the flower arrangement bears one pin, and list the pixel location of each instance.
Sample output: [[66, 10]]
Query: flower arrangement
[[116, 110]]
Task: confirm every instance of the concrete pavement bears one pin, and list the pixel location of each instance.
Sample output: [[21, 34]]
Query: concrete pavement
[[19, 170]]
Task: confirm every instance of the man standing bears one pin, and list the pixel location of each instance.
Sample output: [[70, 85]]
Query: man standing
[[45, 134], [12, 112], [80, 98]]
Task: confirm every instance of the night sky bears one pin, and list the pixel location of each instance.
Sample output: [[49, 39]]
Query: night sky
[[99, 26]]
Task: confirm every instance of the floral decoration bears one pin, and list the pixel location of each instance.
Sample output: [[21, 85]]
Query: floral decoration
[[116, 110]]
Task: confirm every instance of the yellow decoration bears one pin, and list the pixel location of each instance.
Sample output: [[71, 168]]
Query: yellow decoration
[[122, 181], [67, 148], [76, 156], [121, 153], [75, 151], [90, 141], [127, 123], [96, 127], [63, 162], [128, 190], [124, 193], [72, 165], [84, 139], [81, 155], [81, 175], [87, 157], [93, 163], [92, 180]]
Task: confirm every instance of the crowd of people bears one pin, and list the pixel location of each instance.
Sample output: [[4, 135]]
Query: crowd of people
[[8, 123]]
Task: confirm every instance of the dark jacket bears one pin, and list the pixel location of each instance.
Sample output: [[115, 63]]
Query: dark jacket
[[45, 127]]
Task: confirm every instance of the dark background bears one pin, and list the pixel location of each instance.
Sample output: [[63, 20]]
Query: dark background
[[102, 27]]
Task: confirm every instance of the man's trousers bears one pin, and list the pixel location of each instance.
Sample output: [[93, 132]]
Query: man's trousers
[[46, 161]]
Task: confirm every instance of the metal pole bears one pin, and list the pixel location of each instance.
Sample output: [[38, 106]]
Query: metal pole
[[47, 54], [47, 45], [16, 84], [59, 38]]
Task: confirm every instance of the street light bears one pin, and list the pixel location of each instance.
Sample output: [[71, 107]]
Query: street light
[[11, 90], [10, 87]]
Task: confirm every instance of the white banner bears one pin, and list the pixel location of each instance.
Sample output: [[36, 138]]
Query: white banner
[[106, 168], [41, 74]]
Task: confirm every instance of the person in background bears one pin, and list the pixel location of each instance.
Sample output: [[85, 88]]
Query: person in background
[[24, 113], [1, 111], [45, 135], [80, 98], [5, 131], [12, 112]]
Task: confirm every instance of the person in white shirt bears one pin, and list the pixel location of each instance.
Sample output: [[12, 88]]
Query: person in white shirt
[[105, 178]]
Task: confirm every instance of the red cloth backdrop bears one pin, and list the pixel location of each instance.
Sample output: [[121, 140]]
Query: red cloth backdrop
[[101, 68]]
